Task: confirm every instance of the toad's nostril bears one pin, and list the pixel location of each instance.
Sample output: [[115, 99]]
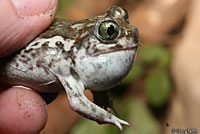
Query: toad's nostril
[[133, 34]]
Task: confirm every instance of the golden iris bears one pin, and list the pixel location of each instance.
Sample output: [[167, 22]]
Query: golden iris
[[108, 30]]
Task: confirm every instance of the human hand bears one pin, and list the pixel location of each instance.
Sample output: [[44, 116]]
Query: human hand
[[22, 110]]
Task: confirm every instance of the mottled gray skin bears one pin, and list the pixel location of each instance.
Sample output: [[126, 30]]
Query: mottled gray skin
[[70, 55]]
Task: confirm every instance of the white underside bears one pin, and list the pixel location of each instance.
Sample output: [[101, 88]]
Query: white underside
[[104, 71]]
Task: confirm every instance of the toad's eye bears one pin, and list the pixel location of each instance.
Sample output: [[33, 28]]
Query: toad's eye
[[107, 30]]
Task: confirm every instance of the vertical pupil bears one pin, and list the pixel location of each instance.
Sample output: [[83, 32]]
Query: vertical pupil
[[110, 30]]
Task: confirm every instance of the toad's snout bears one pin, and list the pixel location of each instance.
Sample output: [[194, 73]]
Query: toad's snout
[[132, 32]]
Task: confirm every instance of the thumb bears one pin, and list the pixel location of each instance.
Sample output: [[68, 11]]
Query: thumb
[[23, 20]]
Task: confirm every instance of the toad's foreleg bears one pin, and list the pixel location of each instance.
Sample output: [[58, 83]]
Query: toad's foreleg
[[79, 103]]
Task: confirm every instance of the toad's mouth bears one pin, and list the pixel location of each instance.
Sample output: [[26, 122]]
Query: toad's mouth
[[112, 50]]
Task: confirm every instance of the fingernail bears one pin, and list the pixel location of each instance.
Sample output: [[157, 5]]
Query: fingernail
[[33, 7]]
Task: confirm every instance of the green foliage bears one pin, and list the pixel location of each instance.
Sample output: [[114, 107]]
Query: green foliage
[[149, 54], [152, 54], [152, 64], [158, 87], [141, 119], [86, 126], [157, 81], [135, 73], [63, 4]]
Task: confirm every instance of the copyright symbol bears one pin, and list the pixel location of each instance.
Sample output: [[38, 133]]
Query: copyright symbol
[[173, 131]]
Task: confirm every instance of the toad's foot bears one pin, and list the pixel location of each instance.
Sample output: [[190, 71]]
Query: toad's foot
[[79, 103]]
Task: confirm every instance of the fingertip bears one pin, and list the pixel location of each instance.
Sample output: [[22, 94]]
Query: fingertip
[[30, 7], [26, 20], [21, 111]]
